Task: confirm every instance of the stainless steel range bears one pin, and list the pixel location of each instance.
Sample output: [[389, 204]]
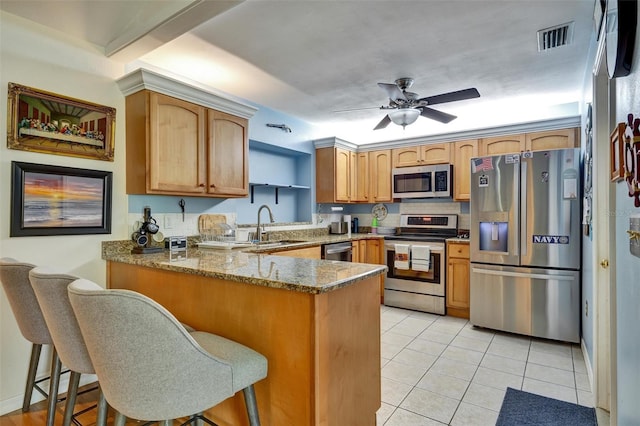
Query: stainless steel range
[[416, 260]]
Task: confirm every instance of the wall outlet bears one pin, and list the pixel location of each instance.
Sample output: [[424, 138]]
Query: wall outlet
[[168, 222]]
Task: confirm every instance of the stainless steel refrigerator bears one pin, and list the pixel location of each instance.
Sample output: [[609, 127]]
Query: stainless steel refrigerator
[[525, 237]]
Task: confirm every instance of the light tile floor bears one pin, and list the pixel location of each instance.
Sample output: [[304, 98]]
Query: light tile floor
[[441, 370]]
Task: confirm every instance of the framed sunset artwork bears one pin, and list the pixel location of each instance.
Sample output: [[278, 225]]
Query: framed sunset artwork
[[57, 200]]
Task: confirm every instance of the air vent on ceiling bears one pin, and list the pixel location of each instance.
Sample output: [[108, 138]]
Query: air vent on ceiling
[[550, 38]]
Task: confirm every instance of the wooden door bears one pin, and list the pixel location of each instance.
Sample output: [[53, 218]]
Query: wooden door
[[406, 157], [437, 153], [176, 150], [228, 169], [463, 152], [555, 139], [380, 176], [458, 277], [360, 174], [501, 145], [342, 175], [374, 251]]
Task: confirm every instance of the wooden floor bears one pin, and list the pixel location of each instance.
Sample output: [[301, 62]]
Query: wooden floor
[[37, 415]]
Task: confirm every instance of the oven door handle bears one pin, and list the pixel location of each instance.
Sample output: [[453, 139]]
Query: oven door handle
[[392, 247], [335, 251]]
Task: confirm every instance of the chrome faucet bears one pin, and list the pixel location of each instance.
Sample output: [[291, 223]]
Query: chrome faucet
[[258, 231]]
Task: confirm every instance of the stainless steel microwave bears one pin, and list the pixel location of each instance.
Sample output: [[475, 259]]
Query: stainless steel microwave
[[423, 181]]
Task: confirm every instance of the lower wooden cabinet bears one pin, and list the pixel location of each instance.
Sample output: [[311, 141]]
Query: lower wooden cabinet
[[305, 253], [458, 279]]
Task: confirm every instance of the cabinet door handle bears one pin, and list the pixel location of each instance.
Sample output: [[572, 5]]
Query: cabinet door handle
[[212, 186], [201, 185]]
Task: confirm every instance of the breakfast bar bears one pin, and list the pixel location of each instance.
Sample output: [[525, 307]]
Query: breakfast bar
[[316, 321]]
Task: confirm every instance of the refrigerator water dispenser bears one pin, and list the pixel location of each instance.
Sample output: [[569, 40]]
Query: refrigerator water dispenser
[[494, 236]]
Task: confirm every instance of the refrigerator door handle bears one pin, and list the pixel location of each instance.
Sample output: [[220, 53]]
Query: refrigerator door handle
[[523, 208], [522, 275]]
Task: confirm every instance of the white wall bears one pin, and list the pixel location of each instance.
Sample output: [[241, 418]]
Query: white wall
[[33, 56]]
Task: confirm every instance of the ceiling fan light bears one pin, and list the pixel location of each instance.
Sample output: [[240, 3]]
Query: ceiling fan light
[[404, 116]]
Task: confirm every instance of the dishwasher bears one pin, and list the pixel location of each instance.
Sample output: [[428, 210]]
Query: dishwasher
[[337, 251]]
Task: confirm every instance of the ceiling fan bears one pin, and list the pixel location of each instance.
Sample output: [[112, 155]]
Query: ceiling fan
[[405, 107]]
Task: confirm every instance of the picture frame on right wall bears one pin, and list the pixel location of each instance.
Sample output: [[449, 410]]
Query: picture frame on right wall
[[616, 154]]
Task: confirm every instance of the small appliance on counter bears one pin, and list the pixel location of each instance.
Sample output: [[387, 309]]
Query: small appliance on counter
[[149, 228], [339, 227]]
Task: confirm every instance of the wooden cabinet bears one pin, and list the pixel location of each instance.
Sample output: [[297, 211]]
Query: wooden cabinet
[[333, 175], [379, 173], [228, 154], [458, 279], [554, 139], [421, 155], [367, 251], [175, 147], [501, 145], [535, 141], [304, 253], [374, 251], [359, 251], [344, 176], [463, 152], [360, 176]]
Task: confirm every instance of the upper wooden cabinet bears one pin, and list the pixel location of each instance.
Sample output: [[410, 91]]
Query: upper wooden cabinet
[[540, 141], [360, 176], [421, 155], [344, 176], [176, 147], [463, 152], [535, 141], [501, 145], [333, 175], [182, 140], [228, 158], [380, 176]]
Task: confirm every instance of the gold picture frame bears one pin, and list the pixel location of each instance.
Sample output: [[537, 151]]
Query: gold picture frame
[[616, 157], [45, 122]]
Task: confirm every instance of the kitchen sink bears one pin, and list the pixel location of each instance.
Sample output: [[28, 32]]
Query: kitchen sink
[[279, 243]]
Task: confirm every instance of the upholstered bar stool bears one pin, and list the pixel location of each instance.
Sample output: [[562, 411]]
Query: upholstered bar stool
[[139, 342], [50, 287], [15, 281]]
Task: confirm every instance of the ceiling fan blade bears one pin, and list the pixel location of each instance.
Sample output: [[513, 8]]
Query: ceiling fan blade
[[440, 116], [459, 95], [393, 92], [355, 109], [383, 123]]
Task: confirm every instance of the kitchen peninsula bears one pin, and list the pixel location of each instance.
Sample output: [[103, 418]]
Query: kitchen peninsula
[[316, 321]]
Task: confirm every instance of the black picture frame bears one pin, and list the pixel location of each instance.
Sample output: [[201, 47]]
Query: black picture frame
[[58, 200]]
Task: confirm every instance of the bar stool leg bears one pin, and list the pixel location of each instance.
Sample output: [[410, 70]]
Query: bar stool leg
[[31, 376], [252, 406], [120, 419], [54, 381], [72, 393], [101, 419]]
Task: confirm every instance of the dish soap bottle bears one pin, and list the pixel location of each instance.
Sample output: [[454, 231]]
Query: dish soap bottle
[[374, 225]]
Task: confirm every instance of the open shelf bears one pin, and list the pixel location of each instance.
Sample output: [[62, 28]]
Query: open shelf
[[276, 187]]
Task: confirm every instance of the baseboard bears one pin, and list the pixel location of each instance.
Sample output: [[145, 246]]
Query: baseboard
[[15, 403], [587, 361]]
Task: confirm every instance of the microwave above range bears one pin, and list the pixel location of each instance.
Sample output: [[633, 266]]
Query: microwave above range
[[434, 181]]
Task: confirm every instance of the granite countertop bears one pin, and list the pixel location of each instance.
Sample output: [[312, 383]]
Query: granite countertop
[[458, 240], [254, 265]]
